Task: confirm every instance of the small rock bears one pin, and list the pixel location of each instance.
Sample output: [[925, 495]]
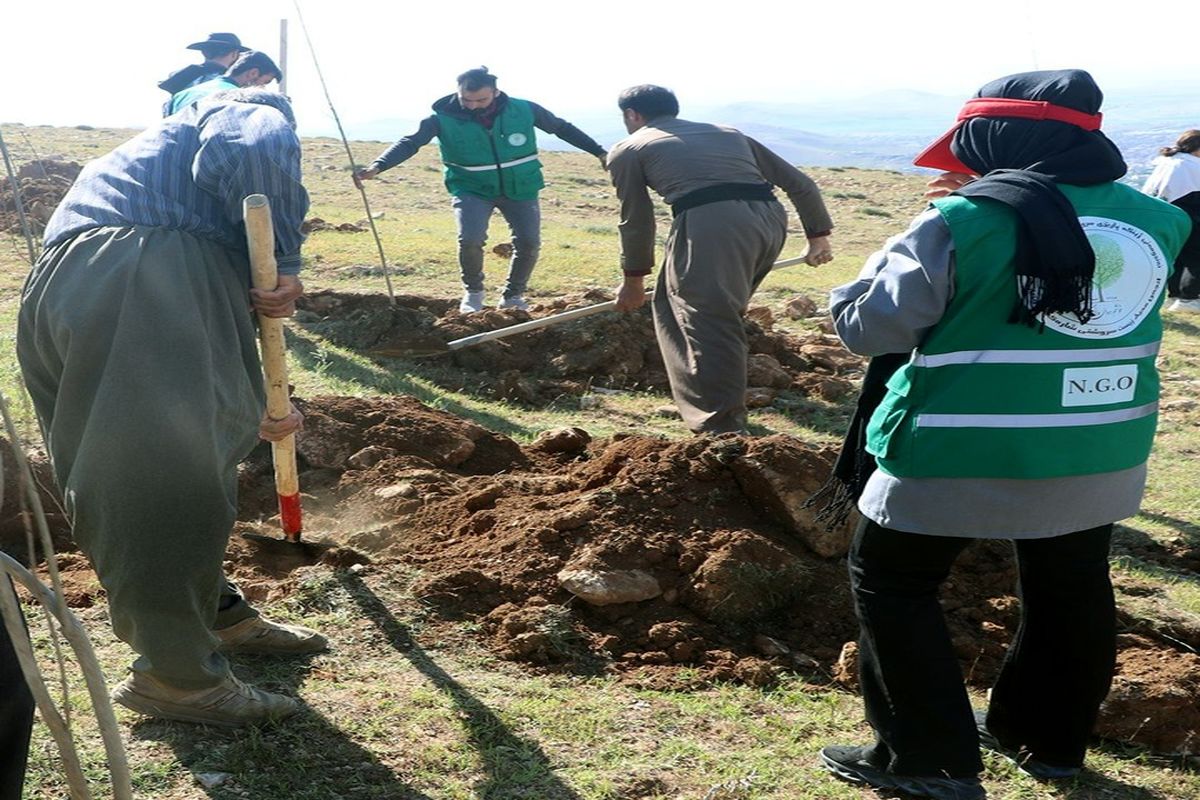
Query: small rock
[[845, 671], [370, 456], [589, 401], [611, 587], [761, 315], [800, 307], [573, 518], [484, 498], [562, 440], [403, 489], [766, 371], [666, 411], [211, 780], [755, 672], [760, 397]]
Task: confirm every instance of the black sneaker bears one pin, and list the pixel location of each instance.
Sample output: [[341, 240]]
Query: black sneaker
[[850, 764], [1023, 759]]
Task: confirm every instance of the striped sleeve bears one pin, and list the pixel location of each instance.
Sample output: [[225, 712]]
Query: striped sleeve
[[247, 149]]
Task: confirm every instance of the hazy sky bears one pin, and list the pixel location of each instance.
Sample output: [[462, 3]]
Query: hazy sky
[[70, 62]]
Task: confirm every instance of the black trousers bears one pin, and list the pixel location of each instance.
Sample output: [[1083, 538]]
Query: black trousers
[[1057, 671], [16, 716]]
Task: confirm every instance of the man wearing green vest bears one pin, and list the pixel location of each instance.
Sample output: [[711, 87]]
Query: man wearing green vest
[[489, 149], [1019, 319]]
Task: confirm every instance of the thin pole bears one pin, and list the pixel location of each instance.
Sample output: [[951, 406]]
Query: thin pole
[[387, 275], [283, 67], [16, 190]]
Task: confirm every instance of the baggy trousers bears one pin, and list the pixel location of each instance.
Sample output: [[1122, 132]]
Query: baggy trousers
[[716, 256], [16, 716], [1056, 674], [524, 218], [138, 349]]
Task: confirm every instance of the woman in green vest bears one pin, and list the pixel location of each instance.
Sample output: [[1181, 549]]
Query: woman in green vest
[[1013, 396]]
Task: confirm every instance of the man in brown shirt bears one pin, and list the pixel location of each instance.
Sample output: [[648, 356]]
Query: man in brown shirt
[[727, 232]]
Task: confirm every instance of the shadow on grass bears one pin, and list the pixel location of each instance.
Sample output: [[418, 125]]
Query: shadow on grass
[[1092, 785], [1186, 528], [391, 376], [303, 758], [515, 767], [1177, 324]]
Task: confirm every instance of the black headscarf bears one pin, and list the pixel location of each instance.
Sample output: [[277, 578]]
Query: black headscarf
[[1020, 161]]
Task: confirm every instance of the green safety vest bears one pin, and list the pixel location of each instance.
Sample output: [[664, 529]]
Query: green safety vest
[[501, 162], [985, 398]]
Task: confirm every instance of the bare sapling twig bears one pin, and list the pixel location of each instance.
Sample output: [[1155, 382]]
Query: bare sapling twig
[[387, 275], [17, 201]]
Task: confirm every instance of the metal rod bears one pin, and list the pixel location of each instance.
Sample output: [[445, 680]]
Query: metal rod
[[16, 190], [387, 276]]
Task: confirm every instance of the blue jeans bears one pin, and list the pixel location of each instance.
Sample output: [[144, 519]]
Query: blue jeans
[[524, 218]]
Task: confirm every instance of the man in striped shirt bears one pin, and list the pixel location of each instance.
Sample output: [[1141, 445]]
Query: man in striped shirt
[[137, 344]]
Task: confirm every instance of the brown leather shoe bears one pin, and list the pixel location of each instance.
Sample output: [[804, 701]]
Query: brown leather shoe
[[229, 704], [264, 637]]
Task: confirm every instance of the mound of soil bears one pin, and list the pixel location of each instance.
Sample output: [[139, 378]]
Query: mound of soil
[[667, 563], [609, 349], [43, 184]]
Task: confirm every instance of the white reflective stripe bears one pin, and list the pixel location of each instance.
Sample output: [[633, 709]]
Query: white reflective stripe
[[1034, 420], [1035, 356], [486, 167]]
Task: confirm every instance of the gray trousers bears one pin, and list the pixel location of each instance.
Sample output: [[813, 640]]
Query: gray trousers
[[524, 218], [138, 349], [716, 255]]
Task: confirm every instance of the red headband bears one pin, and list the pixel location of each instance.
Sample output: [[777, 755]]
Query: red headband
[[939, 156]]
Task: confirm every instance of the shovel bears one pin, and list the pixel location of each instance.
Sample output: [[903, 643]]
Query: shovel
[[432, 346], [260, 236]]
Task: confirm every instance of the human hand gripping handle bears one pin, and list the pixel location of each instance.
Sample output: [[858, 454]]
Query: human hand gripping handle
[[631, 295], [281, 415], [820, 251]]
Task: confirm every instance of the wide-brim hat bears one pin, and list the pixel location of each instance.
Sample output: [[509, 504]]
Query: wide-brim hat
[[215, 40], [939, 155]]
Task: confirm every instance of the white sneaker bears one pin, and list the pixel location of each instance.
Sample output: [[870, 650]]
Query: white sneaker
[[1185, 305], [471, 301], [516, 301]]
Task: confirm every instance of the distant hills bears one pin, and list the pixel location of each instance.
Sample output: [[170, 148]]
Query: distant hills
[[883, 130]]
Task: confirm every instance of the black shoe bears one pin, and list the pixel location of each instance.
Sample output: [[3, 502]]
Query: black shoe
[[850, 764], [1023, 759]]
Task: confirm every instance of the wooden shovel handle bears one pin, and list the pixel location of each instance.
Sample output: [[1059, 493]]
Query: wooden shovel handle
[[260, 237]]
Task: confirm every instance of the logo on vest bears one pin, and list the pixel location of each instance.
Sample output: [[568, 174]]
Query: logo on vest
[[517, 139], [1098, 386], [1131, 272]]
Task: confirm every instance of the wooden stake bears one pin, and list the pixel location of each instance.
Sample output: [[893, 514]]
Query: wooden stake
[[260, 236], [387, 275]]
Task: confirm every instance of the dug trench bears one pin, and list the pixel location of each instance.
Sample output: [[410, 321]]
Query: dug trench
[[667, 563], [612, 351]]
